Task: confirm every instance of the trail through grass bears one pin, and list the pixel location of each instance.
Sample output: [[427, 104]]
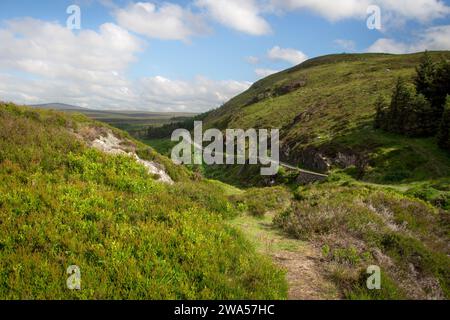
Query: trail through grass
[[299, 259]]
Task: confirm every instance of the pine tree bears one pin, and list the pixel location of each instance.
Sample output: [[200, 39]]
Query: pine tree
[[402, 97], [441, 88], [382, 108], [419, 120], [444, 130], [425, 77]]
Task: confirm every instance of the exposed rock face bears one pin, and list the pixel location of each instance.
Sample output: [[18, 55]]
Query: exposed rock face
[[321, 159], [109, 143]]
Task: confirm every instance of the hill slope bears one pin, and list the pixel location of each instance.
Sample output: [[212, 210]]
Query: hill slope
[[64, 203], [325, 110], [58, 106]]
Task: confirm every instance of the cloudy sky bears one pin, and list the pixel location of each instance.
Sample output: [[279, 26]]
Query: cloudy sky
[[190, 55]]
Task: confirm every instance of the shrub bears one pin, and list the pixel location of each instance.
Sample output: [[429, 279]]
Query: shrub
[[64, 204], [357, 226]]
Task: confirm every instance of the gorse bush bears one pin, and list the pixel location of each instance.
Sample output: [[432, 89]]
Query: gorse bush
[[64, 204]]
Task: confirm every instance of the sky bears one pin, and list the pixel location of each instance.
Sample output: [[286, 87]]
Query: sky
[[191, 55]]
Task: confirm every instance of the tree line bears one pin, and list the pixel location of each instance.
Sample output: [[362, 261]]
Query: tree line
[[421, 108]]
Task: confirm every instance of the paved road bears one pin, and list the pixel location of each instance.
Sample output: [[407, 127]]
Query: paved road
[[282, 164]]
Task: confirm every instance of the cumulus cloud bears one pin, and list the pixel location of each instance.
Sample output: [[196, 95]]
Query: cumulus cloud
[[420, 10], [241, 15], [262, 73], [196, 96], [289, 55], [434, 38], [252, 60], [168, 21], [56, 63], [45, 62]]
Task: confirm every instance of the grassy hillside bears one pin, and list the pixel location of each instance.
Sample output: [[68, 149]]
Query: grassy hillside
[[325, 110], [357, 225], [387, 200], [134, 122], [63, 203]]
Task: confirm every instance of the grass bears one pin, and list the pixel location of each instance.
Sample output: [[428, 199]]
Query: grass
[[259, 227], [163, 146], [359, 225], [331, 115], [64, 204], [134, 122]]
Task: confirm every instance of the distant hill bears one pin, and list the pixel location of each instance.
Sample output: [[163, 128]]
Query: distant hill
[[58, 106], [131, 121]]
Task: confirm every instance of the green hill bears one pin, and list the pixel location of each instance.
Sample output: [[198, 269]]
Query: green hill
[[325, 108], [65, 203], [78, 192]]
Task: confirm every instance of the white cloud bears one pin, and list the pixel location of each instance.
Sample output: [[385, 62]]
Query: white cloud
[[345, 44], [45, 62], [168, 21], [252, 60], [289, 55], [330, 9], [196, 96], [435, 38], [421, 10], [388, 46], [262, 73], [241, 15]]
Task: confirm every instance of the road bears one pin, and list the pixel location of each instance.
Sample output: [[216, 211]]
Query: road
[[268, 160]]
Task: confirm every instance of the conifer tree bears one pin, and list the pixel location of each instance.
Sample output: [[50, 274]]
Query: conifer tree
[[444, 130], [400, 106], [419, 118], [382, 109], [425, 77], [440, 88]]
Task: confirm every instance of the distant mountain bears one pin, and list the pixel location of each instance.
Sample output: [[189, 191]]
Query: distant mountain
[[58, 106]]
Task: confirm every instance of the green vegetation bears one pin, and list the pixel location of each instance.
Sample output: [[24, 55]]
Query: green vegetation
[[417, 112], [259, 201], [326, 109], [385, 203], [387, 200], [444, 129], [360, 225], [62, 204], [163, 146], [137, 123]]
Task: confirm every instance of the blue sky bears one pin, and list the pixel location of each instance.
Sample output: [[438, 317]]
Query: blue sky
[[190, 55]]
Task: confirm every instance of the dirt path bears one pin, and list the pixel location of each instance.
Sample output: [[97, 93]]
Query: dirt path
[[298, 258]]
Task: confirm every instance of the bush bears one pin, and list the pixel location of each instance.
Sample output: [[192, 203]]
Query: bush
[[358, 226]]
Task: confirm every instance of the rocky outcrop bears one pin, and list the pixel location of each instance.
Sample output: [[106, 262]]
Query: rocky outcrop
[[322, 159], [109, 143]]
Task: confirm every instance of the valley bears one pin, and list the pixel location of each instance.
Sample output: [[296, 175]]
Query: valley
[[81, 191]]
